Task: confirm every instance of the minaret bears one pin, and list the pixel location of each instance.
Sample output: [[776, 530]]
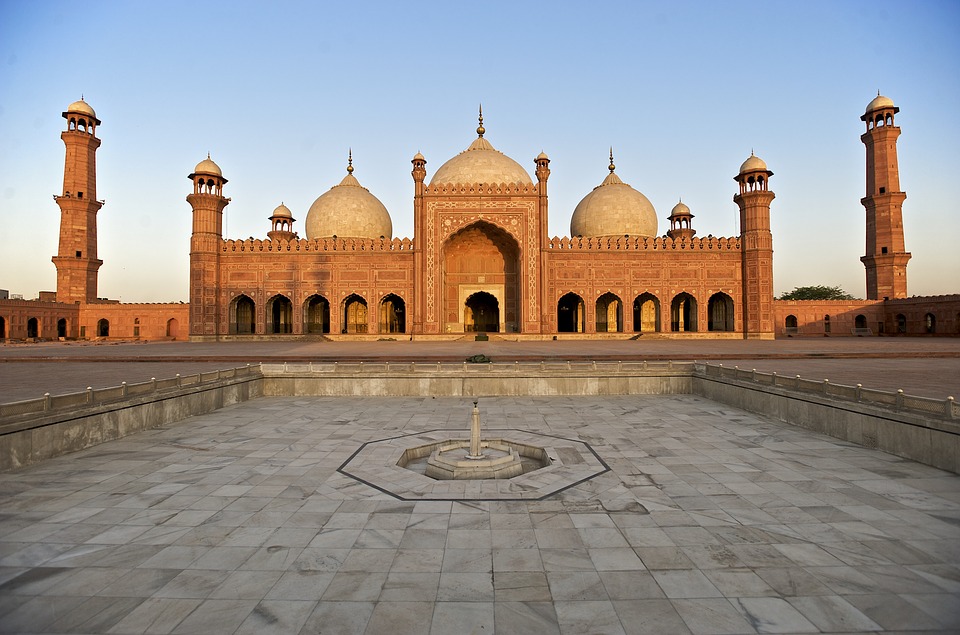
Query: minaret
[[76, 259], [681, 222], [419, 174], [756, 245], [886, 257], [208, 202]]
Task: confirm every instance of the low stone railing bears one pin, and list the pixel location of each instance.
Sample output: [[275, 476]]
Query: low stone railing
[[52, 404], [899, 401]]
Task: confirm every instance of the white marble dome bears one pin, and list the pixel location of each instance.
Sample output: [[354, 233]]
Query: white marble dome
[[752, 164], [879, 102], [481, 163], [614, 208], [348, 210]]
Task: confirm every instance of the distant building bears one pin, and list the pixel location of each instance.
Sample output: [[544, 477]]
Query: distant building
[[480, 261]]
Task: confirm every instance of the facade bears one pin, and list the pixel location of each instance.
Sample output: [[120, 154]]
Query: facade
[[480, 261]]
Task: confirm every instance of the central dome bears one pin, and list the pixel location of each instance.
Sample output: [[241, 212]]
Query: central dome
[[348, 210], [614, 208], [481, 163]]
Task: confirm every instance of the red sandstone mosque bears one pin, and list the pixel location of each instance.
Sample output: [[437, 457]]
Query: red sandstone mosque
[[480, 261]]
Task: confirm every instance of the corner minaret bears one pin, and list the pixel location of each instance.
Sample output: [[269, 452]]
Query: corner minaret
[[76, 259], [886, 256], [208, 202], [756, 245]]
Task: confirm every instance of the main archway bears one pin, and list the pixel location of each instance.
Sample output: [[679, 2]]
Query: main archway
[[481, 259]]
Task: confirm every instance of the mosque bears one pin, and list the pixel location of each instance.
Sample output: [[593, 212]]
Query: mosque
[[480, 263]]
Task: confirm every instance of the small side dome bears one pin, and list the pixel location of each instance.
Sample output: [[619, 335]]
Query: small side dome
[[81, 108], [542, 155], [752, 164], [880, 102], [419, 157], [680, 209], [207, 166], [348, 210], [282, 211], [614, 208]]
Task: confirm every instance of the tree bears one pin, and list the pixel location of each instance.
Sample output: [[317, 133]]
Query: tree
[[816, 292]]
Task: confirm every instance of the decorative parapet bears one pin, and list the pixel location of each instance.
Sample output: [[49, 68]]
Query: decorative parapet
[[318, 245], [483, 189], [644, 243]]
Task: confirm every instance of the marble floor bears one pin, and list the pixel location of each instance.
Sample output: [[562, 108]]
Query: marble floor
[[708, 520]]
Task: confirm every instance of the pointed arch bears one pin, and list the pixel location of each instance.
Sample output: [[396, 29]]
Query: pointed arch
[[720, 312], [33, 328], [316, 315], [646, 313], [609, 314], [683, 313], [243, 315], [103, 327], [354, 314], [392, 314], [279, 314], [481, 313], [570, 314]]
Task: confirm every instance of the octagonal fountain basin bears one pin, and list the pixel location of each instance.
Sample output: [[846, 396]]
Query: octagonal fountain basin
[[450, 459]]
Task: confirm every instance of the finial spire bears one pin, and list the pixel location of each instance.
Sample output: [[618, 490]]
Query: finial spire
[[350, 161], [611, 167], [480, 129]]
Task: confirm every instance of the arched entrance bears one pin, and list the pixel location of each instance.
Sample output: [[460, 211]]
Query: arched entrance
[[392, 314], [3, 329], [646, 313], [173, 327], [860, 321], [33, 328], [683, 314], [480, 258], [243, 314], [62, 327], [279, 314], [103, 328], [901, 323], [570, 314], [481, 313], [720, 312], [609, 314], [354, 314], [930, 323], [316, 315]]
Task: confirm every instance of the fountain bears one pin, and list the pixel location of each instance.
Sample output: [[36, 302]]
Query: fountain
[[475, 458]]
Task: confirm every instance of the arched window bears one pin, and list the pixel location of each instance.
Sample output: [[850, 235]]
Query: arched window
[[316, 315], [790, 324], [683, 313], [570, 316], [392, 314], [354, 314], [173, 328], [609, 314], [720, 313], [930, 323], [103, 328], [33, 328], [243, 314], [901, 323], [646, 313]]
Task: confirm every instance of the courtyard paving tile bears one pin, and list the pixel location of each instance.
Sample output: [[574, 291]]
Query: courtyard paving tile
[[710, 520]]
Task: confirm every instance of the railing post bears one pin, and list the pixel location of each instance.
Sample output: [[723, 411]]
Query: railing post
[[47, 401], [336, 366], [619, 366], [438, 367], [773, 378], [89, 394], [516, 366], [826, 382], [949, 406], [900, 399], [858, 391], [123, 388], [179, 385], [153, 381], [753, 375]]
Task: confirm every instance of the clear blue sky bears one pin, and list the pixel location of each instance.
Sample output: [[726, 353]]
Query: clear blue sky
[[277, 92]]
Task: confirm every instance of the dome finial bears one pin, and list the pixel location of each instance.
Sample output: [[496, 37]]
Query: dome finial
[[350, 161], [480, 129], [611, 167]]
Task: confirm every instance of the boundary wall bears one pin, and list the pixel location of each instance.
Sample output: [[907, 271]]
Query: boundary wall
[[917, 428]]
